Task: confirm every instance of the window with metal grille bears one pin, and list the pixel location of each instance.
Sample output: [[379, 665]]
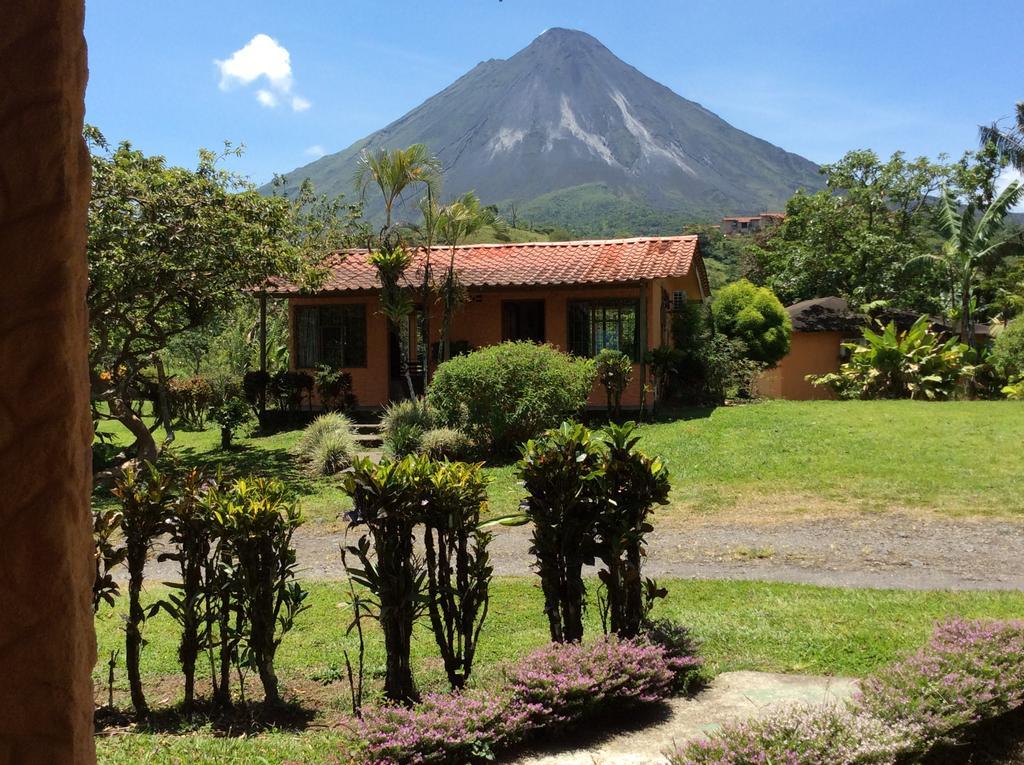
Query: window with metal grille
[[598, 324], [334, 335], [678, 300]]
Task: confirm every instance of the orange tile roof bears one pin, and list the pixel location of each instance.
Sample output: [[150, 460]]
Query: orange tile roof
[[602, 261]]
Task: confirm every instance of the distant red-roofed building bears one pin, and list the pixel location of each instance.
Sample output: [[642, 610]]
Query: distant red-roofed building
[[577, 296], [749, 224]]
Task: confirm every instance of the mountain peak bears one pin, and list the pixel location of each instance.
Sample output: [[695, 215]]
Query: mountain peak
[[560, 38], [570, 132]]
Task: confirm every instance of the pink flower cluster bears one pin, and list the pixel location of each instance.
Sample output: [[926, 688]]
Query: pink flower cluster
[[968, 672], [803, 735], [443, 728], [553, 686], [569, 681]]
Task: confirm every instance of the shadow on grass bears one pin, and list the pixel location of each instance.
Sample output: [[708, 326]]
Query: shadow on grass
[[242, 719], [590, 733], [242, 460]]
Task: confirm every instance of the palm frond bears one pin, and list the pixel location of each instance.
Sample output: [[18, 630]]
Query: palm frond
[[991, 223]]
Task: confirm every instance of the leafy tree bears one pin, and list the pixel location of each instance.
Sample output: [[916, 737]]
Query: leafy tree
[[1009, 141], [971, 238], [173, 249], [754, 316], [614, 372], [863, 236]]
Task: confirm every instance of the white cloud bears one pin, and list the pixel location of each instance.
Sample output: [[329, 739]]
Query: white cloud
[[265, 60], [262, 56], [316, 150]]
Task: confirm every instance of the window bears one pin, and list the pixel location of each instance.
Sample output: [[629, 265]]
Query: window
[[522, 320], [334, 335], [595, 325], [679, 300]]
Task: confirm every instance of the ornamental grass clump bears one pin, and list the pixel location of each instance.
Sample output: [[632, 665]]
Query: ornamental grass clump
[[565, 682], [970, 671], [803, 735], [443, 729], [327, 444]]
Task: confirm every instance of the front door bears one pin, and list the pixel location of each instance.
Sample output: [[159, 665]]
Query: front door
[[522, 320]]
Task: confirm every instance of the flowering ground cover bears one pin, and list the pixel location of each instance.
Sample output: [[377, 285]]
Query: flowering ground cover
[[740, 625], [968, 673]]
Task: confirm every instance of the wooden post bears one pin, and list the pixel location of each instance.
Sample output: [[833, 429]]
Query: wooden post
[[47, 642], [642, 341], [263, 353]]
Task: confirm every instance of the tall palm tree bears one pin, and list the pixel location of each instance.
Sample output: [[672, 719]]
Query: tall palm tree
[[970, 237], [428, 230], [457, 221], [1010, 141], [393, 171]]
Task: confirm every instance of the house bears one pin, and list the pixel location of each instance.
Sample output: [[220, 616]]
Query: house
[[578, 296], [750, 224], [821, 326]]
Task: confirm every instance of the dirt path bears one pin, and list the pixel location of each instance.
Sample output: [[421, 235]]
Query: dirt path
[[642, 739], [862, 549]]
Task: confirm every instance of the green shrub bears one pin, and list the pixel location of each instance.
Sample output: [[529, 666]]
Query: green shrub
[[404, 424], [1015, 390], [503, 395], [1008, 350], [614, 371], [458, 566], [446, 444], [560, 472], [190, 400], [915, 364], [253, 520], [231, 414], [753, 315]]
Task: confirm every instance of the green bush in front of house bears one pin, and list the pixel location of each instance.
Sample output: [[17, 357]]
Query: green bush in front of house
[[503, 395], [753, 315]]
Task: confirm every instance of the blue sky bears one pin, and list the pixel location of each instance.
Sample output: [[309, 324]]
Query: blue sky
[[817, 77]]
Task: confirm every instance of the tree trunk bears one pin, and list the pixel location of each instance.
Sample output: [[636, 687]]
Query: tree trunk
[[132, 632], [399, 685]]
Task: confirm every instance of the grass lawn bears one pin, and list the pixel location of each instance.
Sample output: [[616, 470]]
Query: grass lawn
[[959, 458], [741, 625]]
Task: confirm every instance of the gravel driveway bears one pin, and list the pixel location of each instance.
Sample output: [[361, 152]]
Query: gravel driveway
[[864, 549], [887, 549]]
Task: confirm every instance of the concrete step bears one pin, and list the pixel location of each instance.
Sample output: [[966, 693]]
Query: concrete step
[[368, 440]]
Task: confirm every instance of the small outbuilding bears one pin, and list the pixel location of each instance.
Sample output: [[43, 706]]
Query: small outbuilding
[[820, 327]]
